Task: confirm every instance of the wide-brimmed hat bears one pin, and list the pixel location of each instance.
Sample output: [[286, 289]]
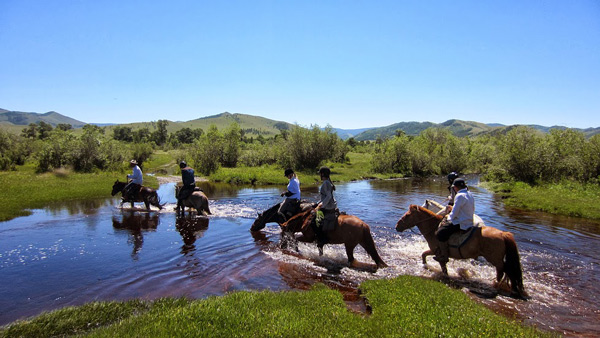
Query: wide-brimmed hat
[[288, 172], [459, 183], [133, 162]]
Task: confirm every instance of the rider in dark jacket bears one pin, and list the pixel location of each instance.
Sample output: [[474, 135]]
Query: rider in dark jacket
[[189, 182]]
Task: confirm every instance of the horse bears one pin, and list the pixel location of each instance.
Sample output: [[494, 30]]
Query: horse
[[272, 216], [145, 194], [497, 247], [350, 231], [197, 200]]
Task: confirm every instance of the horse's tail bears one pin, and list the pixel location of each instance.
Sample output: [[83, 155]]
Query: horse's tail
[[155, 200], [512, 265], [369, 244]]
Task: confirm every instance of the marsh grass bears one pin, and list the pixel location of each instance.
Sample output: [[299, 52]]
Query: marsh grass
[[24, 189], [404, 306], [566, 198]]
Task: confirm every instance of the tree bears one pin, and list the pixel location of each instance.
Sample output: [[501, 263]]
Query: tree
[[231, 150], [208, 151], [64, 126], [160, 135], [123, 133]]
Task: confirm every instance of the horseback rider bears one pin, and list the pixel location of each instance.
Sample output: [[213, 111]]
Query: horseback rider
[[189, 183], [292, 195], [460, 218], [327, 205], [135, 183]]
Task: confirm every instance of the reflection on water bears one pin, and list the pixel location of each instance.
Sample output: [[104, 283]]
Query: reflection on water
[[94, 250], [134, 223]]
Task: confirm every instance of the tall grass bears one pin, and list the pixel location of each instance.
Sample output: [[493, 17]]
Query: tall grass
[[565, 198], [404, 306]]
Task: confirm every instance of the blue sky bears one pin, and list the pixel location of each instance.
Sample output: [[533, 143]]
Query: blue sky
[[350, 64]]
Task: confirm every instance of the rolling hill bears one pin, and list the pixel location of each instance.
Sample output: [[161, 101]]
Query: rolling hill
[[14, 121], [23, 119]]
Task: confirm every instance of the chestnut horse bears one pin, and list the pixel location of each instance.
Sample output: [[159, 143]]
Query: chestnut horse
[[145, 194], [197, 200], [496, 246], [350, 231]]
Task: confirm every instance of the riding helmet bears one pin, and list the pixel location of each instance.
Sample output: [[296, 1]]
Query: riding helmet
[[452, 176], [288, 172], [182, 164], [324, 171]]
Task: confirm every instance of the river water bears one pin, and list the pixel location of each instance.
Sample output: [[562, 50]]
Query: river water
[[75, 253]]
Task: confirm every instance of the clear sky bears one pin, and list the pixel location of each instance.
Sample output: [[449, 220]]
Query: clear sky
[[348, 63]]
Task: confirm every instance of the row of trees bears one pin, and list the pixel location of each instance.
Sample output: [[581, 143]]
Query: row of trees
[[522, 154]]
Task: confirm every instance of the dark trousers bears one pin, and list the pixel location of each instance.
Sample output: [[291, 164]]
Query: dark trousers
[[444, 232]]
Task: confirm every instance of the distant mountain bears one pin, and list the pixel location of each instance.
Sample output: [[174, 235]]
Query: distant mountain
[[23, 119], [250, 124], [457, 127], [345, 134], [410, 128]]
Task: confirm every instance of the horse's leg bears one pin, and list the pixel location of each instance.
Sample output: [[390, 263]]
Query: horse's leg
[[350, 253], [425, 254]]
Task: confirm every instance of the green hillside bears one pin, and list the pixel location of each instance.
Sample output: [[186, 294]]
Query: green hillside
[[252, 125], [23, 119]]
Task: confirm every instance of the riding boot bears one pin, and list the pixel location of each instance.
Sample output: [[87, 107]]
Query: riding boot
[[442, 252]]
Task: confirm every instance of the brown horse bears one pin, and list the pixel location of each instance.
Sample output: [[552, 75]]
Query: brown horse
[[196, 200], [145, 194], [272, 216], [497, 247], [350, 231]]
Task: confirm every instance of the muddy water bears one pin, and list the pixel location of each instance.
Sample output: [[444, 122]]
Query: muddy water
[[71, 254]]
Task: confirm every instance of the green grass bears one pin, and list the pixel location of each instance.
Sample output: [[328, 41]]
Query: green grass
[[566, 198], [357, 167], [24, 189], [404, 306]]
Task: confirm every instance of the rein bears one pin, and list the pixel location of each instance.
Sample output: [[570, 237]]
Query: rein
[[421, 221]]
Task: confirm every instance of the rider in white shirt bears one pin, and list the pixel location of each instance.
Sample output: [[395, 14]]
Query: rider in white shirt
[[460, 218]]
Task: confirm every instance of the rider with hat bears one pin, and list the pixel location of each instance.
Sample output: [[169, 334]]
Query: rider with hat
[[292, 195], [136, 180], [460, 218], [189, 182]]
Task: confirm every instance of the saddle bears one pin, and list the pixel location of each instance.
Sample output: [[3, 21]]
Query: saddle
[[459, 238]]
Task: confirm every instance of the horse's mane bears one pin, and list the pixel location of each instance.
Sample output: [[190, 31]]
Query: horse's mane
[[298, 219], [425, 210]]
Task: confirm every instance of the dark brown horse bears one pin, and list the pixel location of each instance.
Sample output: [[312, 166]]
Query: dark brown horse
[[272, 216], [145, 194], [197, 200], [496, 246], [350, 231]]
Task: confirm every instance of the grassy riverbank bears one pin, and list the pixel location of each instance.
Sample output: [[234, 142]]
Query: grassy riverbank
[[404, 306], [566, 198], [23, 189], [357, 167]]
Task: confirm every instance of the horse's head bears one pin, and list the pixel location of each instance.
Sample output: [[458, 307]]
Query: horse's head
[[259, 222], [117, 187], [416, 215], [408, 219], [299, 222]]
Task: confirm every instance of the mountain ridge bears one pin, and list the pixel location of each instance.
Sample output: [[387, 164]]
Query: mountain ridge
[[258, 125]]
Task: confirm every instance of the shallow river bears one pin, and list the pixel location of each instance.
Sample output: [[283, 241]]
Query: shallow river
[[75, 253]]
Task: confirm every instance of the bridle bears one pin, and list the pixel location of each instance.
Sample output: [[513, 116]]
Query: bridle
[[421, 221]]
